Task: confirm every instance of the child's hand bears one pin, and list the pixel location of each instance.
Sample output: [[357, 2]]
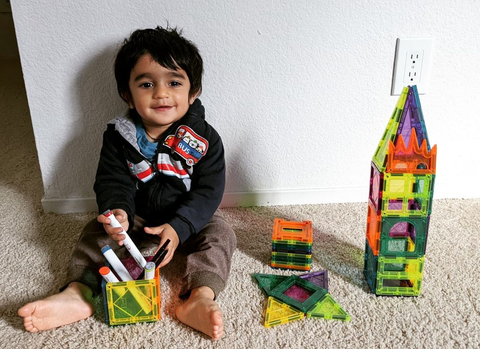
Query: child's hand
[[114, 233], [165, 231]]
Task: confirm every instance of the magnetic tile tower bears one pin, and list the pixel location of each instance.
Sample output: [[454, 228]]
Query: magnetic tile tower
[[400, 202]]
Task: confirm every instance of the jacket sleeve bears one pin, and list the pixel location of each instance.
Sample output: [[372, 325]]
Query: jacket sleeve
[[205, 195], [114, 186]]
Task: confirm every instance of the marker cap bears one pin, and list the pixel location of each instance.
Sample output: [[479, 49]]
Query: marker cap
[[149, 270], [106, 248], [104, 271], [150, 266]]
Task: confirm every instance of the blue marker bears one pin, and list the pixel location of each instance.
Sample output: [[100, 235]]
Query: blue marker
[[116, 264]]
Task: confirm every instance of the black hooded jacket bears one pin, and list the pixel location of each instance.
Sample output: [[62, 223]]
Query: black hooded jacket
[[184, 184]]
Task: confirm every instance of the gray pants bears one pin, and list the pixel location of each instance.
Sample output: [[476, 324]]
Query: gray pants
[[208, 254]]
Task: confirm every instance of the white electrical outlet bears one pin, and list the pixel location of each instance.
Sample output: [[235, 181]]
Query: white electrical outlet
[[412, 64]]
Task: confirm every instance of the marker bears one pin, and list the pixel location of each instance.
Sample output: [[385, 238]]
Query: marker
[[158, 258], [149, 271], [116, 264], [108, 275], [128, 243], [160, 255]]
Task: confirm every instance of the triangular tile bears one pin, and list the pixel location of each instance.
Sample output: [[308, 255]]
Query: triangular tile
[[268, 282], [380, 156], [412, 117], [280, 313], [319, 278], [328, 309]]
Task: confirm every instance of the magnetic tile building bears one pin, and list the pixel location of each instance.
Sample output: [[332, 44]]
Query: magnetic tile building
[[402, 178]]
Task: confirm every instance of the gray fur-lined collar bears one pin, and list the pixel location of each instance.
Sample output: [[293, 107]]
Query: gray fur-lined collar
[[126, 127]]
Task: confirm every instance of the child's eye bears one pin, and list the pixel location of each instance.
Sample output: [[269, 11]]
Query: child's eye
[[175, 84], [146, 85]]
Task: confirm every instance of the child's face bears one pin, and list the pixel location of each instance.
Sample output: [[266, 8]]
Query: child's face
[[160, 95]]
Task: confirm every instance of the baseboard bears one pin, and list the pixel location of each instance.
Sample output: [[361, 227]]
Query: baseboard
[[69, 205], [294, 197], [234, 199], [256, 198]]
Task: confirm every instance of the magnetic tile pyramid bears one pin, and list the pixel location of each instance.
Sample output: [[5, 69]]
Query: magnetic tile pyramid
[[402, 178], [292, 297], [292, 245]]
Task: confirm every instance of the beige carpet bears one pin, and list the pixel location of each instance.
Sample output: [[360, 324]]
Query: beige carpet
[[37, 246]]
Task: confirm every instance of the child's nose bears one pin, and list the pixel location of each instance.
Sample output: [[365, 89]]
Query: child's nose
[[161, 92]]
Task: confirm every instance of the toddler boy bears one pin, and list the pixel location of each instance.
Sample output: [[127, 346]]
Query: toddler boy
[[162, 173]]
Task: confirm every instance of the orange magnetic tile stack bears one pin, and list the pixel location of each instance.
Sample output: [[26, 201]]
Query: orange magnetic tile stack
[[295, 231], [298, 236]]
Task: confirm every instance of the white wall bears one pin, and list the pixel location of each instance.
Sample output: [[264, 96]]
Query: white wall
[[299, 90]]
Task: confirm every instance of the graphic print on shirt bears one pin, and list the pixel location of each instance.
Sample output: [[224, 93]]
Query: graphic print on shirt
[[187, 144], [170, 167], [142, 170]]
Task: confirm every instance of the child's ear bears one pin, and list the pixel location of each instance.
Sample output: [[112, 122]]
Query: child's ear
[[193, 98], [128, 100]]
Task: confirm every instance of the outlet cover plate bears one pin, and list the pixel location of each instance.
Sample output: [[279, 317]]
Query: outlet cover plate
[[412, 64]]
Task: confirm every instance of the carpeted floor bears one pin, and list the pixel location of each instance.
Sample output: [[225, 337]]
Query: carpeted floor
[[37, 246]]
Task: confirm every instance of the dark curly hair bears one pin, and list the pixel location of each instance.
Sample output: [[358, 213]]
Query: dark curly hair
[[168, 48]]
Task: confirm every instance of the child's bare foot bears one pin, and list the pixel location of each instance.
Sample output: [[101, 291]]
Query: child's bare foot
[[202, 313], [71, 305]]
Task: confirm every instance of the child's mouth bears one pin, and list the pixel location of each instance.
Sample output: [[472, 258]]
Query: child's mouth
[[163, 108]]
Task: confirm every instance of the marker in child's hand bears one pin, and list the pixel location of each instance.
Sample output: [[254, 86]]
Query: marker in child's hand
[[128, 243], [157, 259], [161, 253]]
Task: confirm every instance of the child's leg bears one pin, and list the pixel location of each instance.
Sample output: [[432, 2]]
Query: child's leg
[[207, 270], [74, 302], [87, 257]]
